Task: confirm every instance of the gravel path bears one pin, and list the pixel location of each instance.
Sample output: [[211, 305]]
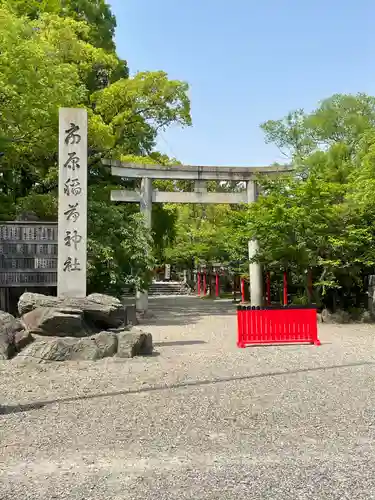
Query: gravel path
[[199, 420]]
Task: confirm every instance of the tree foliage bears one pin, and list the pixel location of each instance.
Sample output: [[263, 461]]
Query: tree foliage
[[322, 216], [199, 238], [61, 54], [95, 13], [342, 118]]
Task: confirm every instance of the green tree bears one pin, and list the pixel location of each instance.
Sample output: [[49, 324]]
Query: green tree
[[341, 118], [43, 66], [322, 217], [96, 14], [32, 8], [135, 109], [199, 235], [48, 62]]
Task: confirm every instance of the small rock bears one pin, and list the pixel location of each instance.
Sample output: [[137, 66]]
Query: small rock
[[134, 343], [22, 339], [129, 344], [338, 317], [107, 344], [84, 350], [366, 317], [9, 326], [148, 346]]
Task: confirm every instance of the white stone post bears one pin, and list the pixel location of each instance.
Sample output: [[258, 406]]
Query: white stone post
[[255, 269], [146, 211], [72, 218], [167, 272]]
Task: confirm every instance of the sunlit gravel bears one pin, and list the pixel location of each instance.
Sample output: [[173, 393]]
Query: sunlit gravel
[[200, 419]]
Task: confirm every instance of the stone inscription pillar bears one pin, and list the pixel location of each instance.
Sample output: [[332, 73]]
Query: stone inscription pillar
[[72, 219]]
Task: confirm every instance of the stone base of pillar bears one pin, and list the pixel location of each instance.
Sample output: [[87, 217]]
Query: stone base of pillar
[[256, 285], [256, 277], [142, 302]]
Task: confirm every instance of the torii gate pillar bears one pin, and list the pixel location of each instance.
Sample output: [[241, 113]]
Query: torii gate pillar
[[255, 269], [146, 211]]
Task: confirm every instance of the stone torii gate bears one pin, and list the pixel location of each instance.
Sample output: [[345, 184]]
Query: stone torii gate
[[200, 175]]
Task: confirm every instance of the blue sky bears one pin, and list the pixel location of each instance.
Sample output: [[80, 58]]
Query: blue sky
[[246, 62]]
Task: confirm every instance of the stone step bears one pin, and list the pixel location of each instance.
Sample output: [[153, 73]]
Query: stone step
[[158, 288], [164, 288]]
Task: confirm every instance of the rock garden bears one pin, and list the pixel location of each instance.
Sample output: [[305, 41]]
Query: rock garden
[[51, 329]]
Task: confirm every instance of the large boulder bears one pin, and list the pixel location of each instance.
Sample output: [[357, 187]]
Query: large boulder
[[30, 301], [50, 349], [134, 343], [9, 327], [99, 311], [108, 300], [339, 317], [103, 310], [55, 322]]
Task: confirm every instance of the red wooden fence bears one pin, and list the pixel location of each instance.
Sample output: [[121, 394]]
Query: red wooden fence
[[290, 324]]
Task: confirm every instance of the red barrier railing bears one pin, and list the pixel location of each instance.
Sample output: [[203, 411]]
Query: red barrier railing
[[290, 324]]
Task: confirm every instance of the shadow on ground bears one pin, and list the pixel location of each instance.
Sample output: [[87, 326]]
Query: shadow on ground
[[185, 310], [6, 410], [179, 343]]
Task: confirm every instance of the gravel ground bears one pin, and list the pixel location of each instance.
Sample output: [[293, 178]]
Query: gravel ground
[[200, 419]]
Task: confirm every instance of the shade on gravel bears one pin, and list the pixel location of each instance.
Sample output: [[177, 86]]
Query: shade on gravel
[[200, 419]]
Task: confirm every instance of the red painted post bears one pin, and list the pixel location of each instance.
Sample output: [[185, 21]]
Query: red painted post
[[285, 295], [241, 331], [268, 288], [217, 285], [243, 290], [199, 284], [314, 326], [241, 328], [204, 284]]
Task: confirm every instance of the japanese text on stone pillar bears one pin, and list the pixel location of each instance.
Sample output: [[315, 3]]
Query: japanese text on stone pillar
[[72, 202]]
